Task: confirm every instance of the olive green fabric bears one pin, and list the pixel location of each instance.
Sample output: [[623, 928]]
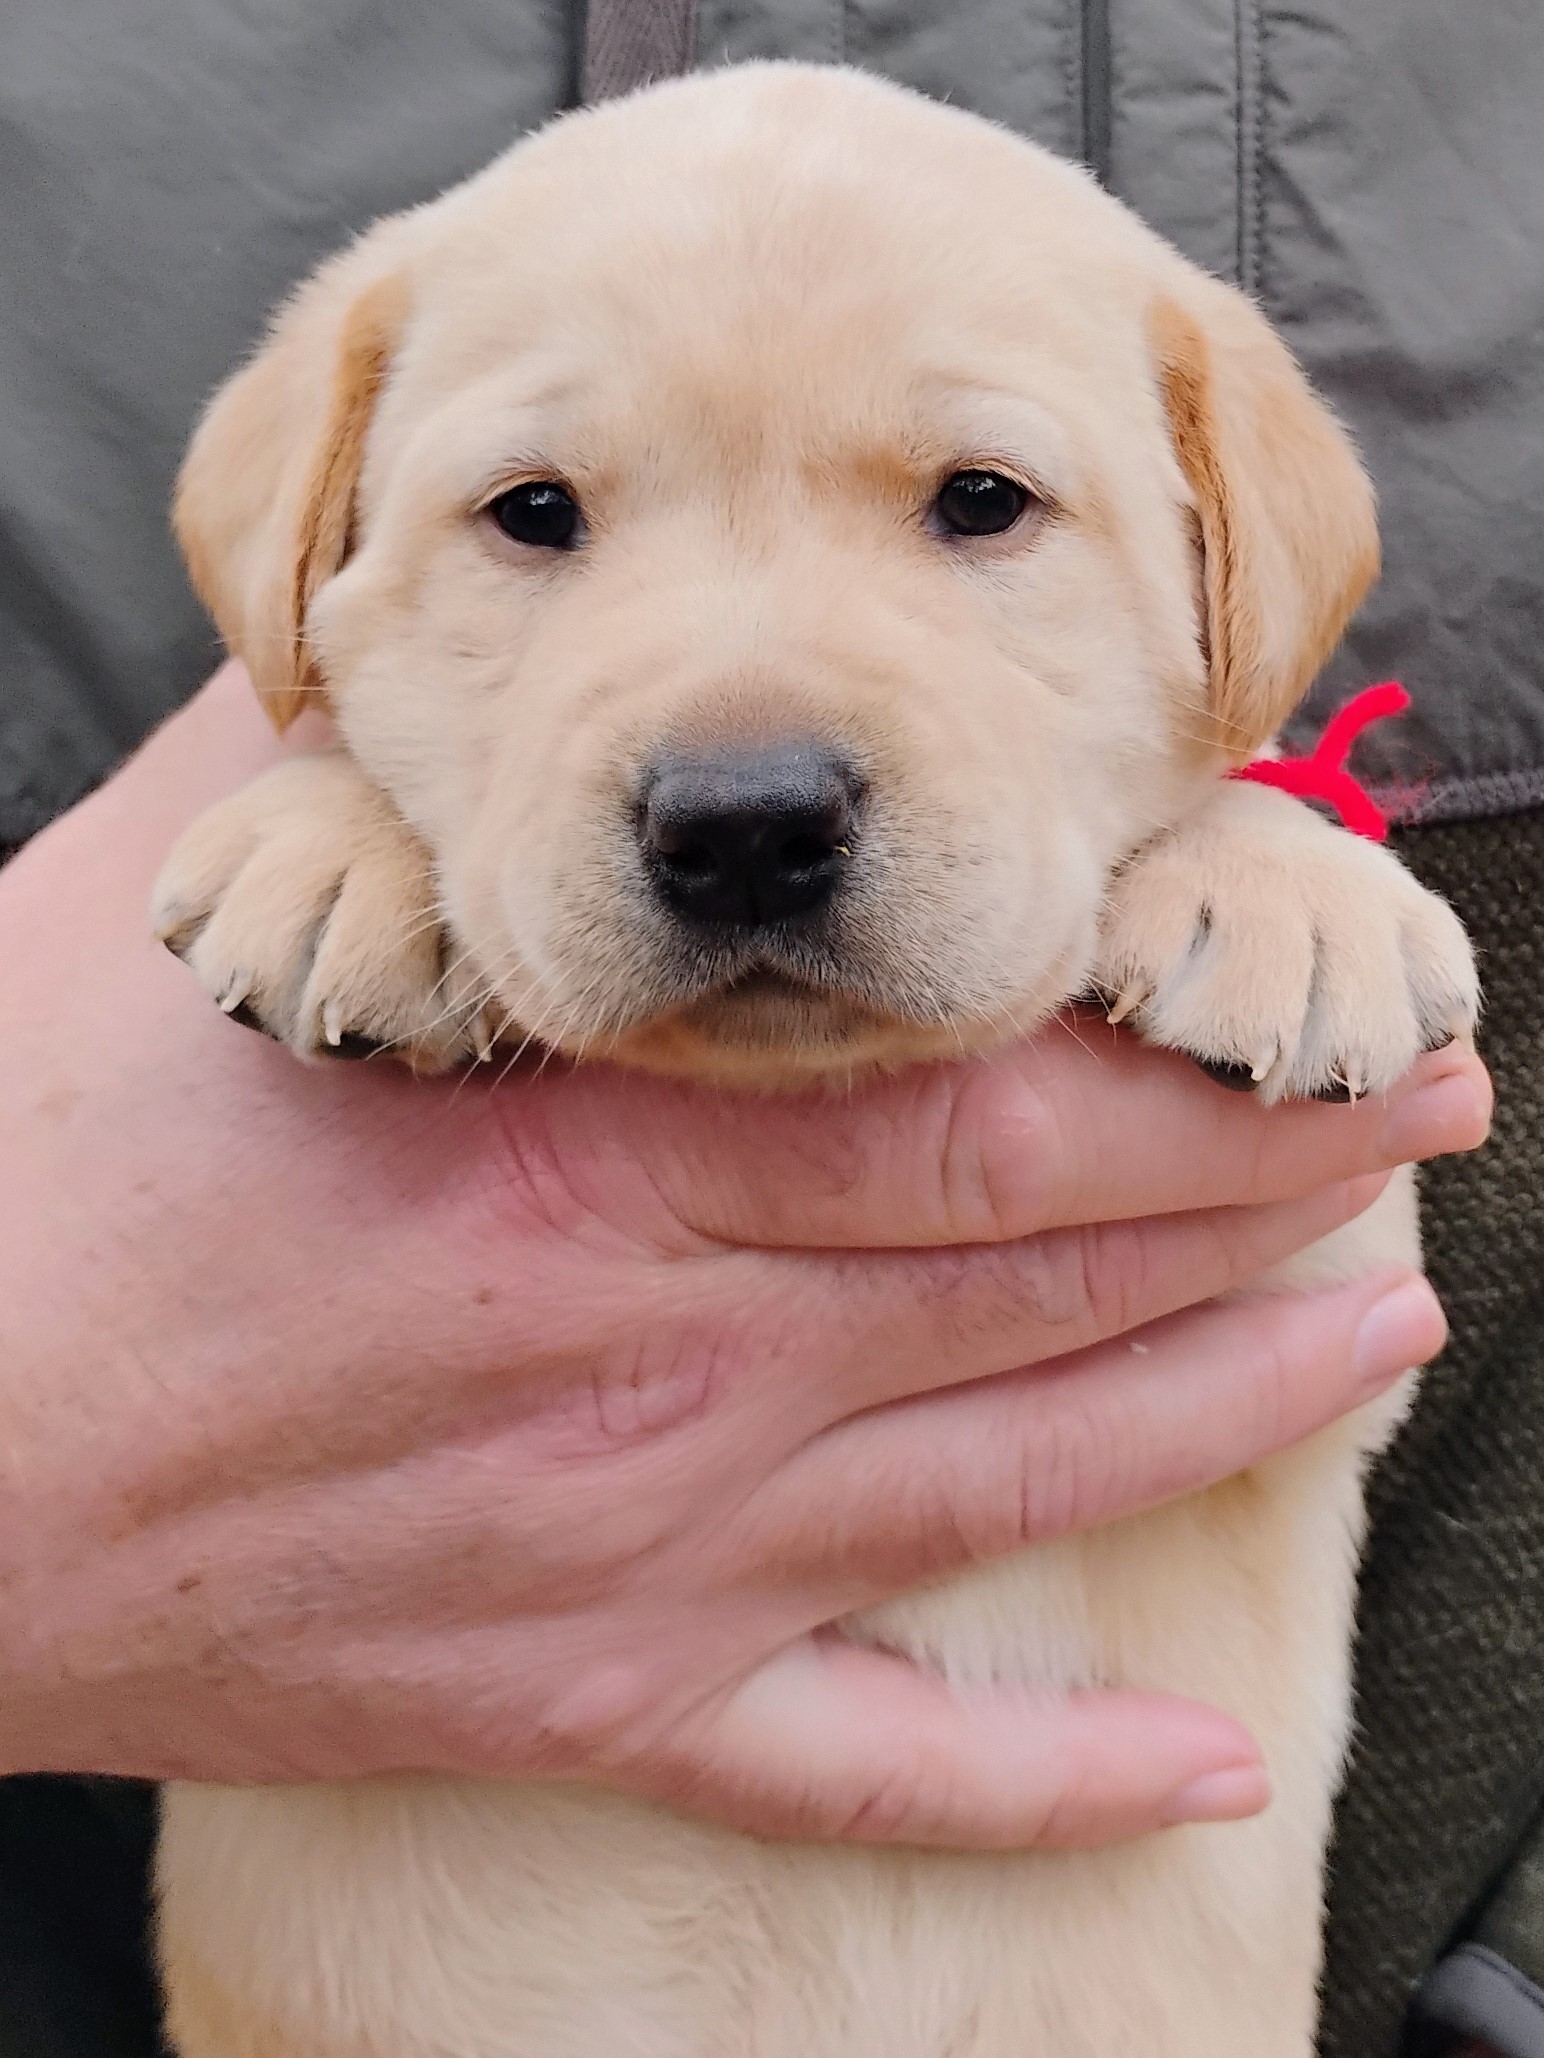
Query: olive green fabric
[[1449, 1766]]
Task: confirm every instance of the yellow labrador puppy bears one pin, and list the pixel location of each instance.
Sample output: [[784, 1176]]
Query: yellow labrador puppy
[[791, 565]]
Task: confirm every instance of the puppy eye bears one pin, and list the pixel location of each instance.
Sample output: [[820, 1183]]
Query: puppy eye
[[541, 512], [978, 503]]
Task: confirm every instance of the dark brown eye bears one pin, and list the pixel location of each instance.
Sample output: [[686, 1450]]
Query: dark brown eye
[[978, 503], [541, 513]]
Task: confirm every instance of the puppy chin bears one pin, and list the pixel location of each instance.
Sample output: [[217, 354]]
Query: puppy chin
[[781, 1049], [771, 1034]]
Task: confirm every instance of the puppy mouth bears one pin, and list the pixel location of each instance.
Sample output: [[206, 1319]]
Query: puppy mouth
[[790, 1008], [768, 1024], [767, 1008], [766, 983]]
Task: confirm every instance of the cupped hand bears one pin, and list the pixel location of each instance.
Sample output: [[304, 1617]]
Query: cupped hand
[[356, 1424]]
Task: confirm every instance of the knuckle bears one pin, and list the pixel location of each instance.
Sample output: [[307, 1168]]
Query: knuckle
[[1071, 1473], [1064, 1814], [1090, 1282], [899, 1801], [785, 1167], [996, 1157], [1108, 1276], [562, 1164], [529, 1176], [1235, 1246], [1272, 1387], [595, 1723], [885, 1523], [931, 1527], [662, 1380], [1022, 1302]]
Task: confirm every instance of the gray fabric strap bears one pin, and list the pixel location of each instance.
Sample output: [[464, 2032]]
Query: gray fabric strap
[[631, 43], [1476, 1993]]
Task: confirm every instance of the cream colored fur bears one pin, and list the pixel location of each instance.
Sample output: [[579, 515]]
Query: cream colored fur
[[754, 320]]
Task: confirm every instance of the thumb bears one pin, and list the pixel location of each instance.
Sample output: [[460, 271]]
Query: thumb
[[828, 1740]]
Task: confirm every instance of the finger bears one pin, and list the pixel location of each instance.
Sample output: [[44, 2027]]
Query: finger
[[831, 1741], [1064, 1130], [926, 1487], [927, 1319]]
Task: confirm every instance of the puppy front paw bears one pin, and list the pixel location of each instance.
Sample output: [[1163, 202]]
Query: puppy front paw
[[308, 909], [1283, 953]]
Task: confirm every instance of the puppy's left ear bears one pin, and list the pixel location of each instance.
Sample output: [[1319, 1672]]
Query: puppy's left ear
[[265, 506], [1286, 517]]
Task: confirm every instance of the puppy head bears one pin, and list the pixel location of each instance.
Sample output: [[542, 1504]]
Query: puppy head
[[781, 543]]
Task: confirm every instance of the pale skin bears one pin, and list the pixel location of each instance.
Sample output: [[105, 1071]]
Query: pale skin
[[356, 1424]]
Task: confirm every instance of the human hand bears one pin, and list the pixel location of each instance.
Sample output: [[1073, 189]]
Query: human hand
[[356, 1424]]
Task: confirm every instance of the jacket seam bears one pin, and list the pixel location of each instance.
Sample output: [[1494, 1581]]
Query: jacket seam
[[1478, 797], [1097, 95], [1249, 105], [1262, 285]]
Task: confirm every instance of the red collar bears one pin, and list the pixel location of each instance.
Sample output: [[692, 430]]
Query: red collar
[[1323, 774]]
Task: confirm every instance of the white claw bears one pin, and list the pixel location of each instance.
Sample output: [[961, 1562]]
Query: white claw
[[1126, 1004], [1272, 1082]]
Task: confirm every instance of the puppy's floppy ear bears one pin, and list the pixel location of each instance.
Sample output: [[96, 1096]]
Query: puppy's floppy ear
[[1287, 522], [265, 502]]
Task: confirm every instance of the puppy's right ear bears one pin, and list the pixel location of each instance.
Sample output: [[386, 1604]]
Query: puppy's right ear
[[265, 504]]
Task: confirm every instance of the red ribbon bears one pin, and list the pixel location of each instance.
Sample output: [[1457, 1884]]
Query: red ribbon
[[1323, 775]]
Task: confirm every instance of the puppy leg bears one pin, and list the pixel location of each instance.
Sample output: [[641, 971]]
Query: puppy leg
[[201, 2023], [1283, 952], [308, 908]]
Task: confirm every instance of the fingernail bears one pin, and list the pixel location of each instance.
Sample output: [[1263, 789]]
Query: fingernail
[[1220, 1797], [1452, 1113], [1405, 1328]]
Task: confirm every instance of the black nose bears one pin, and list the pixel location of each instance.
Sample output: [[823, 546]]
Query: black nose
[[749, 836]]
